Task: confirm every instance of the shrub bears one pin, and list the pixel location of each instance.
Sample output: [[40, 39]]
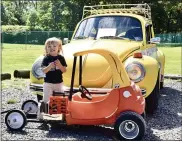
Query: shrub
[[14, 28]]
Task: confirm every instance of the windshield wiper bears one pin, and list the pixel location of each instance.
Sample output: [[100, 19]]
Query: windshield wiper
[[112, 37], [81, 37]]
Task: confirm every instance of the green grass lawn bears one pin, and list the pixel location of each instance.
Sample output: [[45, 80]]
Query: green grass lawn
[[173, 60], [20, 56]]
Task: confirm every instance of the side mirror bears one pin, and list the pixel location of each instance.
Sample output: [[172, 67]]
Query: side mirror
[[65, 41], [155, 40]]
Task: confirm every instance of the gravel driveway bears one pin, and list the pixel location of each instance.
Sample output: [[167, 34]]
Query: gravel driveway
[[165, 124]]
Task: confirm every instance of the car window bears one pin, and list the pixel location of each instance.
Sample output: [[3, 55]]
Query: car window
[[120, 26], [148, 33]]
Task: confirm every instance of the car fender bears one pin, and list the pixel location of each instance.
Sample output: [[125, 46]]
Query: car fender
[[33, 79], [161, 60], [151, 67]]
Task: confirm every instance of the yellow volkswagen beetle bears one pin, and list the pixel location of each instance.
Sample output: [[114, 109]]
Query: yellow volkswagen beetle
[[125, 30]]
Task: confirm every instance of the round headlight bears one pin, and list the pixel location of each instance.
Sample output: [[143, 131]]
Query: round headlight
[[36, 68], [136, 71]]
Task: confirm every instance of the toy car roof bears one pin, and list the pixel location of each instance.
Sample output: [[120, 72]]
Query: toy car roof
[[119, 74], [139, 9]]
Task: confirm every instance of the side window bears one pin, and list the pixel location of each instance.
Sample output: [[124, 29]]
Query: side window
[[148, 33]]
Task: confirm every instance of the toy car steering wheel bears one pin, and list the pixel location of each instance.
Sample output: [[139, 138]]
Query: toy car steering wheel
[[85, 92]]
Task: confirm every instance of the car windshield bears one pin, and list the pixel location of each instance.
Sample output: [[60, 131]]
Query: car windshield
[[123, 27]]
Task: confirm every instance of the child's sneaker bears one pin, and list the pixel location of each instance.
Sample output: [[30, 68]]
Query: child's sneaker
[[40, 116], [40, 111]]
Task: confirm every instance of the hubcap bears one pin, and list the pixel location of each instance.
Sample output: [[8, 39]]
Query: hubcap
[[30, 107], [129, 129], [15, 120]]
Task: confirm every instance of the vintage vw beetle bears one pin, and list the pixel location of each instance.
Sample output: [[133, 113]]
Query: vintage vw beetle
[[123, 29]]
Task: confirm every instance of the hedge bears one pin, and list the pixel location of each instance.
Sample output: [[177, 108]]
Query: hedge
[[15, 28], [24, 35]]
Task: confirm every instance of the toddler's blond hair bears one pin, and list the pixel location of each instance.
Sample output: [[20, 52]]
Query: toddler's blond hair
[[53, 39]]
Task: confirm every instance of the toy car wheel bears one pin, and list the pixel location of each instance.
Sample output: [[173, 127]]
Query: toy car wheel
[[15, 120], [130, 126], [30, 107], [152, 99]]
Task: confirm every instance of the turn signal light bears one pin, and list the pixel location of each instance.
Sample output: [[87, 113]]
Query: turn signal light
[[137, 55]]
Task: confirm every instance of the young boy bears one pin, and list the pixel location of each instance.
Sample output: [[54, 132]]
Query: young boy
[[53, 65]]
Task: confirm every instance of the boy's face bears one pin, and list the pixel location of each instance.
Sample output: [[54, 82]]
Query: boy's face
[[52, 48]]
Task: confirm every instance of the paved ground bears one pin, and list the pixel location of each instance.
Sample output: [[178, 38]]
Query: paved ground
[[165, 124]]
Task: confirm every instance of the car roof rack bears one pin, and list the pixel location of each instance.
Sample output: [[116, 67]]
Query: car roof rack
[[139, 9]]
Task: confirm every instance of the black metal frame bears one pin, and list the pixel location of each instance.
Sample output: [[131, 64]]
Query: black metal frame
[[46, 121], [80, 71], [6, 111], [33, 118], [73, 75]]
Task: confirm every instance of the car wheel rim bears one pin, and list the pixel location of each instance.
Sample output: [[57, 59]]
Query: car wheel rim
[[15, 120], [129, 129], [30, 107]]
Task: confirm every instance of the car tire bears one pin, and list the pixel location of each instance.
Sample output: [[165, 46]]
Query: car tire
[[152, 99], [161, 85], [130, 126], [15, 120]]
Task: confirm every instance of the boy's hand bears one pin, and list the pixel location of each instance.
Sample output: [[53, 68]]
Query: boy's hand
[[58, 63], [60, 66], [52, 65]]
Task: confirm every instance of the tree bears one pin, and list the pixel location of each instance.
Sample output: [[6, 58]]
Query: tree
[[32, 19], [63, 15], [4, 19], [52, 17]]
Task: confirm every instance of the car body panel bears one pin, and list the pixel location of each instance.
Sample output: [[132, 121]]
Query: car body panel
[[94, 76], [151, 73], [119, 76], [161, 60]]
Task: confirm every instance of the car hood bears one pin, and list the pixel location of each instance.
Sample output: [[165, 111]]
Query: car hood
[[96, 70]]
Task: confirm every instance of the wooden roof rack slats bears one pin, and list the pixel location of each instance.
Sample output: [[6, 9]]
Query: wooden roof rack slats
[[140, 9]]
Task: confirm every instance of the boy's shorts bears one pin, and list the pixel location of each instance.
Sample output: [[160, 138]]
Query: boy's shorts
[[48, 89]]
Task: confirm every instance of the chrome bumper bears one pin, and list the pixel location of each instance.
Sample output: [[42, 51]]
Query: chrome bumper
[[39, 88], [36, 87]]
